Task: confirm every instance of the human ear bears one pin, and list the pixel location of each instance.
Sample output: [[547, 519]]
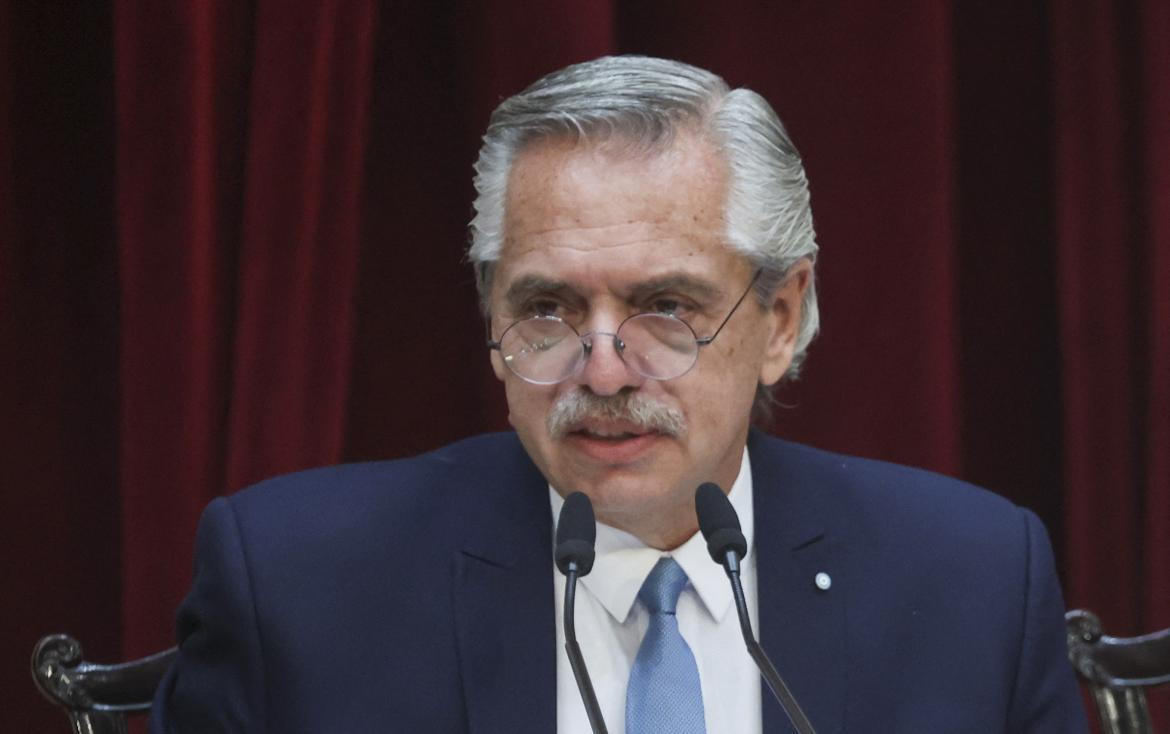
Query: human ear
[[783, 319], [497, 364], [494, 354]]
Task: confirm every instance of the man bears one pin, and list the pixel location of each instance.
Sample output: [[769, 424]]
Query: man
[[644, 251]]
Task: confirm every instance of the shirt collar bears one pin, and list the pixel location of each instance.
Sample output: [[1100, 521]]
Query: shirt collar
[[623, 561]]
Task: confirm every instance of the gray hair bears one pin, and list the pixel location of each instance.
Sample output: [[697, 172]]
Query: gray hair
[[643, 102]]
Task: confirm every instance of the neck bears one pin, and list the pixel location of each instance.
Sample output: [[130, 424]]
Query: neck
[[659, 530]]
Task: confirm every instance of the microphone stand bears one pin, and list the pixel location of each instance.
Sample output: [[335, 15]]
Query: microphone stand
[[576, 660], [767, 670]]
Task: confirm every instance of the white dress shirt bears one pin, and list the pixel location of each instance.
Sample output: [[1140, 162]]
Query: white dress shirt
[[611, 623]]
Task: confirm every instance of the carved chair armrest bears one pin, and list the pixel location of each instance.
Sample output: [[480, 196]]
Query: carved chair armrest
[[1116, 662], [67, 680]]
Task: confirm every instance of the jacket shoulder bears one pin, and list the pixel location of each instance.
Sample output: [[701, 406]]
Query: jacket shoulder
[[889, 505], [478, 455], [418, 499], [865, 480]]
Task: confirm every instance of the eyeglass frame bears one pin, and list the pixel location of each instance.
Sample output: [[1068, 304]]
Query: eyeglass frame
[[587, 346]]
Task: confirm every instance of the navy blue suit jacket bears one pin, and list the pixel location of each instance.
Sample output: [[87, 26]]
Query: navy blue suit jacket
[[417, 596]]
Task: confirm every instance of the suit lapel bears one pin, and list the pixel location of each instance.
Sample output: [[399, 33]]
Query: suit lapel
[[802, 626], [504, 611], [504, 608]]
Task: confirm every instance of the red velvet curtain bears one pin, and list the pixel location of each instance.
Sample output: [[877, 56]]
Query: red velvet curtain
[[1112, 193], [231, 244], [240, 140]]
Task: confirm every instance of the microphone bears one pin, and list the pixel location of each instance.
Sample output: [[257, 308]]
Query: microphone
[[727, 546], [576, 532]]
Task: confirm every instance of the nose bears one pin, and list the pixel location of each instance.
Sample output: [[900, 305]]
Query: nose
[[605, 372]]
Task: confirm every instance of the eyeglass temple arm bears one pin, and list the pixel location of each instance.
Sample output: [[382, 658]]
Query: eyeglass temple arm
[[704, 341], [489, 342]]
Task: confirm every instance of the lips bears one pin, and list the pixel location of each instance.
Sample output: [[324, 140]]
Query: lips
[[612, 444], [604, 436], [609, 428]]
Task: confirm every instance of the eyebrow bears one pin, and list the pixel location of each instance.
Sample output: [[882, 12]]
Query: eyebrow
[[681, 282], [529, 286]]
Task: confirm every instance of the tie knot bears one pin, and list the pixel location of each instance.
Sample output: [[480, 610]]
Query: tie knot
[[662, 588]]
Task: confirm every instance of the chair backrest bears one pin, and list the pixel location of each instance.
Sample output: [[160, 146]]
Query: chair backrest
[[1117, 669], [96, 698]]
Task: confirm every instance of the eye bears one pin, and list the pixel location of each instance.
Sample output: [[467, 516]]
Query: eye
[[544, 307], [665, 305]]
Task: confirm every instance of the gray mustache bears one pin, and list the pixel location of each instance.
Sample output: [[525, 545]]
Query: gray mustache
[[644, 412]]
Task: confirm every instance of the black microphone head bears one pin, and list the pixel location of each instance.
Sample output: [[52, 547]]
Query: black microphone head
[[719, 523], [576, 531]]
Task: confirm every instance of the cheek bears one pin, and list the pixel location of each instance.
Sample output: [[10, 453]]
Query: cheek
[[498, 366], [740, 359], [517, 397], [750, 357], [726, 387], [528, 406]]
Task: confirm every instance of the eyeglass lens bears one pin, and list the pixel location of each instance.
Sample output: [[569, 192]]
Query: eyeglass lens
[[547, 350], [540, 349]]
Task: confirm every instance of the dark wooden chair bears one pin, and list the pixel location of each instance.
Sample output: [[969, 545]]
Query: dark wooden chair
[[1117, 670], [96, 698]]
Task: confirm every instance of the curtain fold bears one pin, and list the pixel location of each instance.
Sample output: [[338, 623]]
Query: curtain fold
[[301, 230], [240, 160], [1154, 21], [181, 80], [60, 526], [1112, 221]]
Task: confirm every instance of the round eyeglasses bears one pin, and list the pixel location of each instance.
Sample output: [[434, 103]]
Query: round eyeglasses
[[545, 350]]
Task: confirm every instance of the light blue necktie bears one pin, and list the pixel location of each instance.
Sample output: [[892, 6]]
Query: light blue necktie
[[664, 696]]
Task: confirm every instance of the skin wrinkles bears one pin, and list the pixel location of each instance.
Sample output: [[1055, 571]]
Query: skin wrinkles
[[610, 234], [572, 237], [694, 293], [601, 228]]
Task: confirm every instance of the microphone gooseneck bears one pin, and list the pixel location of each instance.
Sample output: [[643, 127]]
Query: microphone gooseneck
[[727, 546], [576, 533]]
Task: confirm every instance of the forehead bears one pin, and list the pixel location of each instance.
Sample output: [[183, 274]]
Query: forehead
[[581, 212]]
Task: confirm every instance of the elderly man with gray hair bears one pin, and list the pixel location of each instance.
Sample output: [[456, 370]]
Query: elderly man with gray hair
[[644, 251]]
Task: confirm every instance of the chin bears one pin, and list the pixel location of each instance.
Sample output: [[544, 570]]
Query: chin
[[626, 495]]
